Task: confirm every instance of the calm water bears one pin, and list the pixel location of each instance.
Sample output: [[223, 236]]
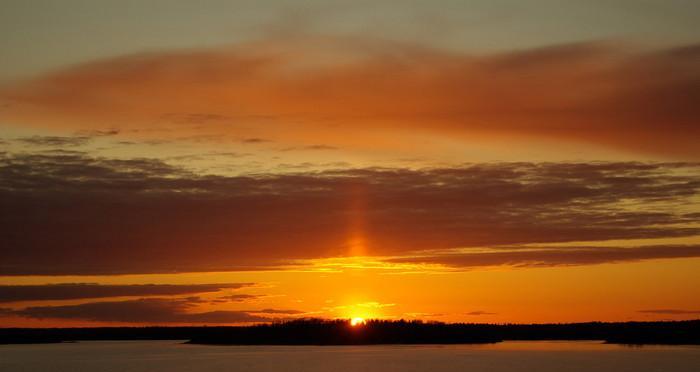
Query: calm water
[[131, 356]]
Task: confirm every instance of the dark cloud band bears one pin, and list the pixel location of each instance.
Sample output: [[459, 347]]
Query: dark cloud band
[[73, 214], [71, 291], [150, 311], [561, 256]]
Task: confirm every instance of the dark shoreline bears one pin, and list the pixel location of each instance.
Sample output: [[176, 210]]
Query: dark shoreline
[[374, 332]]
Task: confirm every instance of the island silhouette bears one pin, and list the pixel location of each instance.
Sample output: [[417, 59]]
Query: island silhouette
[[373, 332]]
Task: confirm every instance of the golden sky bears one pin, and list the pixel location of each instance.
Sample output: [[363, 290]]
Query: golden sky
[[238, 162]]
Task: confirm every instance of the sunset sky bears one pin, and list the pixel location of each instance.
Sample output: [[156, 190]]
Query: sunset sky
[[235, 162]]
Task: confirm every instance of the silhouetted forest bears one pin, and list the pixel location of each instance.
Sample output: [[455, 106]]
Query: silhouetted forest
[[340, 332]]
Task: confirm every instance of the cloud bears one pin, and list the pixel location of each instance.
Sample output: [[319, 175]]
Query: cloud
[[207, 155], [150, 311], [480, 312], [308, 147], [562, 256], [319, 147], [71, 291], [374, 304], [277, 311], [55, 141], [194, 118], [670, 312], [423, 315], [73, 214], [99, 133], [599, 93], [237, 298], [255, 140]]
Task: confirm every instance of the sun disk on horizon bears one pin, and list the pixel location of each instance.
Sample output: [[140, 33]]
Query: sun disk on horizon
[[357, 321]]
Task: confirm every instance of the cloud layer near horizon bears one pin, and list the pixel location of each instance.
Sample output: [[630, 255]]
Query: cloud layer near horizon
[[344, 91], [75, 214], [552, 256], [71, 291], [146, 310]]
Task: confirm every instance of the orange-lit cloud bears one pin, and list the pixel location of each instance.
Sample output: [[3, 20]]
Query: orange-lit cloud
[[347, 92]]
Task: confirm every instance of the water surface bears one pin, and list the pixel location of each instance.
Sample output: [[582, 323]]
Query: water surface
[[173, 356]]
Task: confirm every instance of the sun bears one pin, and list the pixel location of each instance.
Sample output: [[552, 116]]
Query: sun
[[357, 322]]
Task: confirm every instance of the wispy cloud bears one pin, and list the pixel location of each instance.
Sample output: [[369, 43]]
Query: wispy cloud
[[255, 140], [277, 311], [480, 312], [670, 312], [562, 256], [374, 305], [242, 297], [55, 141], [98, 132]]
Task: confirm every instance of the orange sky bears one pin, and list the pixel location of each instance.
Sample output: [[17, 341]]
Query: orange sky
[[319, 173]]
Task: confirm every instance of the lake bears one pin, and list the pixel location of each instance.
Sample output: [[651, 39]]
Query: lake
[[173, 356]]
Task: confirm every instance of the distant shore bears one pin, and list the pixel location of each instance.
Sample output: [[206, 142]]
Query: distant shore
[[341, 332]]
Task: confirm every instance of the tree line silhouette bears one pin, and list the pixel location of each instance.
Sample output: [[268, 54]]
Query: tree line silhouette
[[341, 332]]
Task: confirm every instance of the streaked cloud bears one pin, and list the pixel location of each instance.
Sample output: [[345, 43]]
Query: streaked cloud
[[277, 311], [563, 256], [670, 312], [479, 313], [374, 304], [149, 311], [71, 291], [241, 297], [255, 140], [55, 141]]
